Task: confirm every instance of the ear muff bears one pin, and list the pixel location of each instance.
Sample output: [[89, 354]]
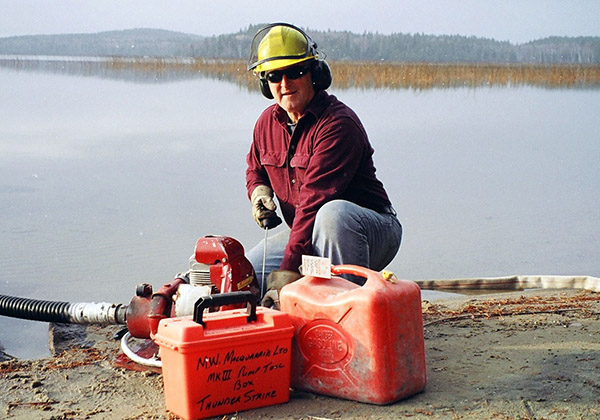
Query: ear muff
[[264, 88], [320, 73]]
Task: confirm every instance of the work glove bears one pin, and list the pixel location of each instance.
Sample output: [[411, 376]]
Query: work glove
[[263, 207], [275, 282]]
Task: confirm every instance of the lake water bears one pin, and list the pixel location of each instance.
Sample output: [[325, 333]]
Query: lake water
[[107, 183]]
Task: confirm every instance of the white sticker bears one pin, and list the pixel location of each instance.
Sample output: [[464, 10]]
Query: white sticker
[[316, 266]]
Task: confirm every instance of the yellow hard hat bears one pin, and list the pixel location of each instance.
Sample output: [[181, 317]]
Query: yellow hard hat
[[280, 45]]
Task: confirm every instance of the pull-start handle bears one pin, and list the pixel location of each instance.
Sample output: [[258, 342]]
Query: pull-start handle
[[222, 299], [271, 222]]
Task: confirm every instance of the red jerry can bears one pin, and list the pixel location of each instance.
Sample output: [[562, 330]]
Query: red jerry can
[[362, 343]]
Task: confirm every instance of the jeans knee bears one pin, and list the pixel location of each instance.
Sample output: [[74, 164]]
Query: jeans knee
[[329, 218]]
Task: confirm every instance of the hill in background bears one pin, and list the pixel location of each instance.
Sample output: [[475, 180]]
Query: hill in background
[[337, 45]]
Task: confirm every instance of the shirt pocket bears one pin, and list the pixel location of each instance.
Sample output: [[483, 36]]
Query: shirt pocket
[[274, 164], [299, 163], [274, 159]]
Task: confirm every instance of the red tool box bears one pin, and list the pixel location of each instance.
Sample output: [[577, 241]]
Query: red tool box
[[227, 361], [360, 343]]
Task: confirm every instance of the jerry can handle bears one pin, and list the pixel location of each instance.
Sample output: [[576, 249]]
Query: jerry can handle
[[357, 270], [222, 299]]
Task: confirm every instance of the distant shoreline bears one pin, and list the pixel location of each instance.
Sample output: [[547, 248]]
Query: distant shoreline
[[346, 74]]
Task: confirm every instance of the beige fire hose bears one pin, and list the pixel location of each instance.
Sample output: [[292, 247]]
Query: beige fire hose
[[515, 283]]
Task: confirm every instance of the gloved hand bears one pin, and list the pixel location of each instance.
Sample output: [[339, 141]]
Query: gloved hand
[[263, 207], [275, 282]]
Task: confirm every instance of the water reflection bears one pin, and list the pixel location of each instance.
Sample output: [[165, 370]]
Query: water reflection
[[137, 70], [345, 74]]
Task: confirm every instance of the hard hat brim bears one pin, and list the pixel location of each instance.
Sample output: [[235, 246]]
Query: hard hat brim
[[280, 64]]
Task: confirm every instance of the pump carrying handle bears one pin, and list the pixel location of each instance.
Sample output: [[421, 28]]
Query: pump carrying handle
[[222, 299]]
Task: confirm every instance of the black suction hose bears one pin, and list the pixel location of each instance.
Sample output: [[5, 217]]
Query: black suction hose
[[36, 310], [63, 312]]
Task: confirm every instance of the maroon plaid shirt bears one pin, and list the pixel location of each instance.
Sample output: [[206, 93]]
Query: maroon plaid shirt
[[328, 157]]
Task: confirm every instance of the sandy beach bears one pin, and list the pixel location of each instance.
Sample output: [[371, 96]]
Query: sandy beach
[[520, 355]]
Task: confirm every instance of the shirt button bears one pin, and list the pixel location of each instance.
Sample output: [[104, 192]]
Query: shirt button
[[293, 181]]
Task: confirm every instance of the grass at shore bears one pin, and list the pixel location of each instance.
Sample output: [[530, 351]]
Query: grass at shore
[[346, 75], [428, 75], [403, 75]]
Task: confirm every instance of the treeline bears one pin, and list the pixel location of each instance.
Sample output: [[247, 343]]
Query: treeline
[[458, 49], [337, 45]]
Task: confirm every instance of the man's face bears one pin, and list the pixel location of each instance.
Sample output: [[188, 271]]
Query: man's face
[[292, 89]]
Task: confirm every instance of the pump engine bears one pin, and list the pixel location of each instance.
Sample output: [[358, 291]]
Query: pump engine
[[218, 265]]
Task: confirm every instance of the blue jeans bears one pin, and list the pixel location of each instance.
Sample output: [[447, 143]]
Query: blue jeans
[[344, 232]]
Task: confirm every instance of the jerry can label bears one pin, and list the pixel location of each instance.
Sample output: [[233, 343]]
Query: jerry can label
[[324, 342], [316, 266]]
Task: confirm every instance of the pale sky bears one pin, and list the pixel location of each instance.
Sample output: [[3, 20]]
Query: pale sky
[[516, 21]]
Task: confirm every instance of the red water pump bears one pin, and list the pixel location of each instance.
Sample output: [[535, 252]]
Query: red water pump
[[218, 265]]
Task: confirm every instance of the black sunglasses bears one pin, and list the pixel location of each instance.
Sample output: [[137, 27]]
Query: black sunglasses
[[292, 73]]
